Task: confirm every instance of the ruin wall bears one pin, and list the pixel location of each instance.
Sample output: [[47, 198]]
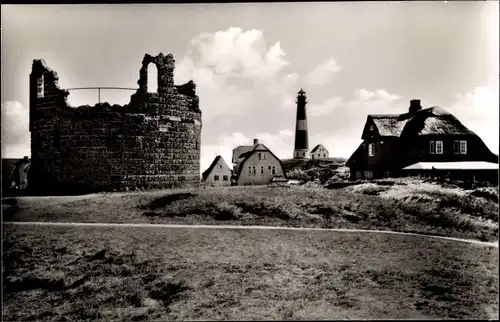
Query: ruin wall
[[152, 142]]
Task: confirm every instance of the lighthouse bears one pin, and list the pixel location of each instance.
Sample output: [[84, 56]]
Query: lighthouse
[[301, 138]]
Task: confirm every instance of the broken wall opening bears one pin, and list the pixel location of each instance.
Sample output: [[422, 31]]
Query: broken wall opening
[[152, 84], [85, 96]]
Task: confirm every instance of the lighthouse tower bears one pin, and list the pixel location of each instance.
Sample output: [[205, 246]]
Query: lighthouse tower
[[301, 138]]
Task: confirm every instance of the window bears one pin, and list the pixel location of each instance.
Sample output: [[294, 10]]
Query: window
[[387, 174], [260, 156], [358, 174], [303, 154], [216, 178], [225, 178], [436, 147], [456, 147], [152, 84], [324, 155], [264, 155], [249, 171], [368, 175], [253, 170], [269, 169], [463, 147], [40, 87], [274, 170], [312, 156], [371, 150], [261, 170], [460, 147]]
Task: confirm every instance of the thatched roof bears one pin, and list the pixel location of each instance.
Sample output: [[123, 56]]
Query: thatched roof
[[389, 125], [429, 121]]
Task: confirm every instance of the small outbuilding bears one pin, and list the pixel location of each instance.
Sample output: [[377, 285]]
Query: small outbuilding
[[319, 152], [217, 174]]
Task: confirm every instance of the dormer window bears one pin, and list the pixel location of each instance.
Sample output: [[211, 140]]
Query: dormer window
[[40, 87], [372, 128]]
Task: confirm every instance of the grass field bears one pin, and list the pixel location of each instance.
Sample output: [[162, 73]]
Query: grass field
[[405, 207], [61, 273]]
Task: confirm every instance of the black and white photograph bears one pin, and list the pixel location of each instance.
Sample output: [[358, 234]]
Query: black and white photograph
[[198, 161]]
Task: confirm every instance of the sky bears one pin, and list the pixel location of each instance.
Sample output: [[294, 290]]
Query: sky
[[250, 60]]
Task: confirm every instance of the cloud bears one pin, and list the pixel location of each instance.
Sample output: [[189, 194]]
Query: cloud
[[285, 133], [236, 74], [15, 130], [479, 111], [323, 73], [337, 123], [380, 94], [325, 107]]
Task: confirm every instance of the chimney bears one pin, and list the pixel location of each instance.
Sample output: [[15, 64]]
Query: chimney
[[255, 141], [415, 106]]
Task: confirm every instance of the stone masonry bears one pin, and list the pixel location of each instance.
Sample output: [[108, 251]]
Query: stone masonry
[[152, 142]]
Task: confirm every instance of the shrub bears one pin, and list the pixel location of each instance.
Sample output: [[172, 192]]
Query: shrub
[[298, 174], [489, 194], [223, 211]]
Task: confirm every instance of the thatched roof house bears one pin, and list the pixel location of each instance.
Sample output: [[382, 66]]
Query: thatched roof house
[[393, 142]]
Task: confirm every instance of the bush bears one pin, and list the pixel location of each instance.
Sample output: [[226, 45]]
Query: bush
[[298, 174], [487, 193], [373, 190]]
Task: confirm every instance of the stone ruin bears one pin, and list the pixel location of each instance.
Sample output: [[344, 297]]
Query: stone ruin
[[152, 142]]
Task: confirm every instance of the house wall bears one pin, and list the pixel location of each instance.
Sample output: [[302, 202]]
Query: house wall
[[258, 178], [419, 150], [152, 142], [221, 169], [384, 160], [321, 153]]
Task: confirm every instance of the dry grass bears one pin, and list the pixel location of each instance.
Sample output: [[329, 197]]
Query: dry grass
[[402, 207], [54, 273]]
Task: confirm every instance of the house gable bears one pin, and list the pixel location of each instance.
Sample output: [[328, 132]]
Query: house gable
[[317, 148], [258, 148], [218, 164]]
